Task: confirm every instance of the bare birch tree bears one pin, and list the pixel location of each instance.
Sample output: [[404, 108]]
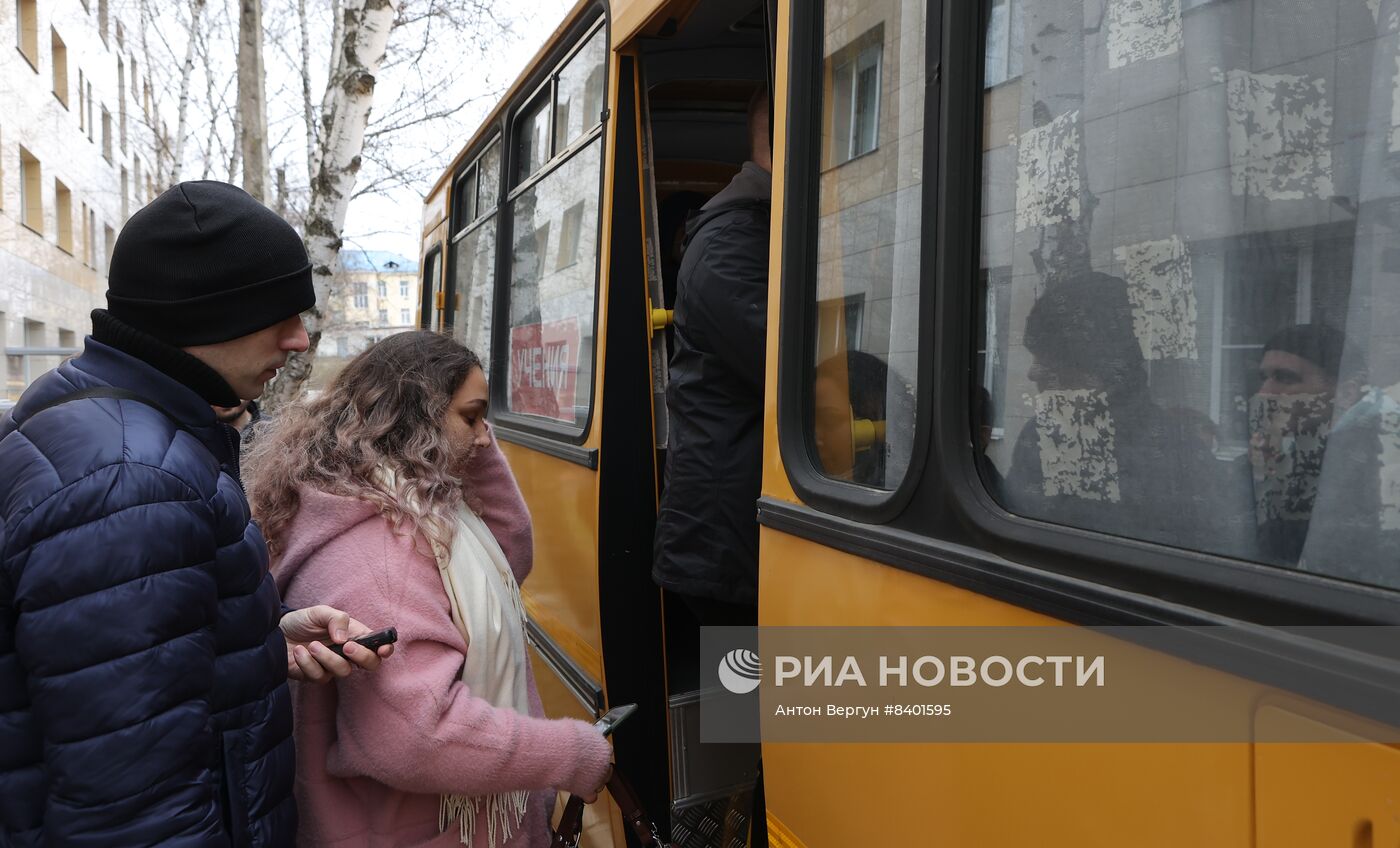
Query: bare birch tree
[[366, 25]]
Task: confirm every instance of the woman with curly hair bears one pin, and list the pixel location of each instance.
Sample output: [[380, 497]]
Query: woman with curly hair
[[388, 495]]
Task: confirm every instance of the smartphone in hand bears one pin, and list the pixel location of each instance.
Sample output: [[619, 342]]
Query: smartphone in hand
[[374, 641]]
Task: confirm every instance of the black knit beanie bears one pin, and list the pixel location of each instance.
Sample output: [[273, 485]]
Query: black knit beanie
[[205, 263]]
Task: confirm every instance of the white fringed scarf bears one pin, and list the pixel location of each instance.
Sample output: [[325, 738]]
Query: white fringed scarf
[[487, 609]]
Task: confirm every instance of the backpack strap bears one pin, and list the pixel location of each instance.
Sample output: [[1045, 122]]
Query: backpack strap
[[106, 392]]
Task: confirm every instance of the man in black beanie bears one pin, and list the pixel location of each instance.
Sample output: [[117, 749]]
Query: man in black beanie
[[144, 652]]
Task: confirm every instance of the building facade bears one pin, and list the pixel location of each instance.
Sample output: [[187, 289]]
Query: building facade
[[76, 142], [376, 295]]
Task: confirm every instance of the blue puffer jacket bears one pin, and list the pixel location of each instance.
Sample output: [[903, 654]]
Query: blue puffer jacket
[[143, 693]]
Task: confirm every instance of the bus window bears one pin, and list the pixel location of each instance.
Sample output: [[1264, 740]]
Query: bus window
[[489, 182], [1188, 314], [868, 225], [554, 235], [429, 288], [532, 138], [474, 252], [579, 101]]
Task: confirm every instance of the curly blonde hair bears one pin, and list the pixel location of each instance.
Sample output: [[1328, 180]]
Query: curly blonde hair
[[384, 413]]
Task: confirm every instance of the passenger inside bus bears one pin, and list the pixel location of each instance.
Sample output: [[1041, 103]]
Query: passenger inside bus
[[1309, 377], [706, 529], [851, 399], [1100, 452]]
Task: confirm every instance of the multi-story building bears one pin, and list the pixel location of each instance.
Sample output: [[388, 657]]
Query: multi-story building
[[376, 295], [75, 162]]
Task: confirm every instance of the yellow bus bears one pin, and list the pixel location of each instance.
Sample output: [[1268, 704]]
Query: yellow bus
[[1082, 312]]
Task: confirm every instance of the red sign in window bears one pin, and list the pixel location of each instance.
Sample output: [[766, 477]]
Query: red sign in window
[[544, 368]]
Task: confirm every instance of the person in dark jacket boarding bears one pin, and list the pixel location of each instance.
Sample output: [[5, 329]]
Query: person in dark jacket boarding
[[706, 545], [144, 651]]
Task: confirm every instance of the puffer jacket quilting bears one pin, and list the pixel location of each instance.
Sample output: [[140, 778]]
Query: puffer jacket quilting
[[143, 695]]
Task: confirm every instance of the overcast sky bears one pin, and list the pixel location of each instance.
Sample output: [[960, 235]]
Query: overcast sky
[[392, 223]]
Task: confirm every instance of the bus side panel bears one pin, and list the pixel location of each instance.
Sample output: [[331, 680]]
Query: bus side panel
[[983, 795], [562, 590]]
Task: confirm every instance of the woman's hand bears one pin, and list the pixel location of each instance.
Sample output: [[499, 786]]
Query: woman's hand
[[306, 631], [593, 796]]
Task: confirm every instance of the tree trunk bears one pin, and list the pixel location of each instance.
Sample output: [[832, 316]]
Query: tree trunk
[[333, 80], [367, 24], [308, 114], [252, 99], [182, 110]]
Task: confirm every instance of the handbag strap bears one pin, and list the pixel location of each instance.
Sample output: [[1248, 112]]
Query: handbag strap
[[571, 822]]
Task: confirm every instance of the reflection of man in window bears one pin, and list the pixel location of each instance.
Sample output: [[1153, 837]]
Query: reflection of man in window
[[1098, 452], [1308, 377], [707, 534]]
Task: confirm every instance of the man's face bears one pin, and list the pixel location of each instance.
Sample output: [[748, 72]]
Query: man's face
[[1283, 373], [248, 362]]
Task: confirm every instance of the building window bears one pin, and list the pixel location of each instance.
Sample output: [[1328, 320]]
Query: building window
[[92, 239], [90, 122], [27, 15], [1005, 42], [121, 103], [121, 37], [383, 317], [31, 183], [404, 317], [106, 135], [102, 19], [63, 212], [361, 296], [82, 103], [855, 82], [383, 289], [403, 288], [60, 68], [126, 196], [109, 240]]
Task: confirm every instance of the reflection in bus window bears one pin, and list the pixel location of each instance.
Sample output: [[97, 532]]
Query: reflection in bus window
[[579, 101], [868, 224], [489, 180], [1189, 317], [532, 138], [552, 291], [475, 282]]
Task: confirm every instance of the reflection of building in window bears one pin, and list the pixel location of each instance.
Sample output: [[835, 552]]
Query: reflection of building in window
[[855, 103], [383, 317], [362, 295], [855, 320], [383, 289], [404, 317], [568, 236], [1005, 41], [403, 288]]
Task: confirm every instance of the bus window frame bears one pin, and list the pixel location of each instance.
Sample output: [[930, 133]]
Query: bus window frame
[[532, 431], [797, 324], [953, 531]]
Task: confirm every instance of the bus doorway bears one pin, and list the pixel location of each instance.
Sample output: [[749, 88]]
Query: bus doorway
[[700, 67]]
